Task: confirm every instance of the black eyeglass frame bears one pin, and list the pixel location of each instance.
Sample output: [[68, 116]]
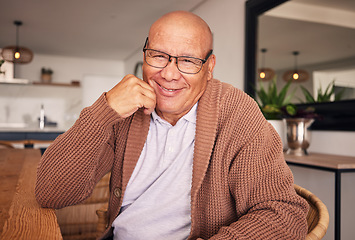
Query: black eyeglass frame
[[176, 58]]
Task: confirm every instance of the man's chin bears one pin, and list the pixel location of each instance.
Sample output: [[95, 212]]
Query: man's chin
[[165, 108]]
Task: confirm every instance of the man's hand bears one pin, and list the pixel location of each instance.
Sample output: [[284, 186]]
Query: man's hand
[[129, 95]]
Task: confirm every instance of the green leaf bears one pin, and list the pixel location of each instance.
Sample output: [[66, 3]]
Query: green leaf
[[263, 96], [308, 96], [273, 93], [282, 95], [328, 92], [291, 109], [270, 108], [289, 97]]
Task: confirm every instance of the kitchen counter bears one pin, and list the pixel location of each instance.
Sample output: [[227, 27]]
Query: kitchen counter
[[23, 127], [29, 135]]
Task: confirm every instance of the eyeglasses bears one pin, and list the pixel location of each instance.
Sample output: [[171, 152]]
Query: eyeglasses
[[185, 64]]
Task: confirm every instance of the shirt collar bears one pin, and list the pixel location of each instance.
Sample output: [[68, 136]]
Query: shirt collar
[[190, 116]]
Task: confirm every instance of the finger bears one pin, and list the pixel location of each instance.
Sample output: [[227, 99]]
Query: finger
[[149, 89], [148, 111], [149, 103], [149, 93]]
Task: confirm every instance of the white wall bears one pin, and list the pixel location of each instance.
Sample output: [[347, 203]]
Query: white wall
[[226, 20], [133, 60], [95, 85], [333, 142]]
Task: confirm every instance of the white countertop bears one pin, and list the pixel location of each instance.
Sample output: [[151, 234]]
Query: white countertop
[[21, 127]]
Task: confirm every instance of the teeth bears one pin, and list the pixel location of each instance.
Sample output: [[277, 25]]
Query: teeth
[[169, 90]]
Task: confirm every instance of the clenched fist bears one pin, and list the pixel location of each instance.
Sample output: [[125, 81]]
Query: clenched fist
[[129, 95]]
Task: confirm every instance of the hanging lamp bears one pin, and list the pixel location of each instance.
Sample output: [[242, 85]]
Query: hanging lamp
[[296, 75], [17, 54], [265, 74]]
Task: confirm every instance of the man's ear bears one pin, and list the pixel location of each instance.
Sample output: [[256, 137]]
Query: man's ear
[[211, 63]]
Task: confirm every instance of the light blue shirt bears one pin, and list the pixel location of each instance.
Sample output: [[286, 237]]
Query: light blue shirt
[[156, 204]]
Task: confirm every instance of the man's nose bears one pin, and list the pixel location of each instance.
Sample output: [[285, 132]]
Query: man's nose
[[171, 71]]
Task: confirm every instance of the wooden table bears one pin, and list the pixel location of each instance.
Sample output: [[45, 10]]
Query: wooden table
[[21, 217], [327, 162]]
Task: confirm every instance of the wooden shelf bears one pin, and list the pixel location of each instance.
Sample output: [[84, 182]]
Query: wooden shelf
[[23, 82], [72, 84]]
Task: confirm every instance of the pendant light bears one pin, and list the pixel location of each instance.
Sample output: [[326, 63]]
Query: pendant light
[[17, 54], [296, 75], [265, 74]]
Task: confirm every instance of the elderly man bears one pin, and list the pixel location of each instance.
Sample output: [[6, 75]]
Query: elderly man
[[190, 157]]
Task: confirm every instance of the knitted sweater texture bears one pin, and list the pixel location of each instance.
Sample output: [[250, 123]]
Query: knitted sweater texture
[[241, 186]]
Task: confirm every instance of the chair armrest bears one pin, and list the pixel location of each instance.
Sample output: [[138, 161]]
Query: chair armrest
[[102, 222]]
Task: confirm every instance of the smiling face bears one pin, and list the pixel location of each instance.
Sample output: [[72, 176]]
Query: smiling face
[[179, 34]]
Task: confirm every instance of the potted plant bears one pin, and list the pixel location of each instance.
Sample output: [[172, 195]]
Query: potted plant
[[323, 96], [46, 75], [298, 120], [271, 102]]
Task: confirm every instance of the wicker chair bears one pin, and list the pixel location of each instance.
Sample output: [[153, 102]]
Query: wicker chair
[[318, 216], [79, 222]]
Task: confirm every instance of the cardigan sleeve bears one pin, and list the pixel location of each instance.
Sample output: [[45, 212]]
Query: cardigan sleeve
[[78, 159]]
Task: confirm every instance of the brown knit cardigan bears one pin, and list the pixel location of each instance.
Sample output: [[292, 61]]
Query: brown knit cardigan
[[241, 185]]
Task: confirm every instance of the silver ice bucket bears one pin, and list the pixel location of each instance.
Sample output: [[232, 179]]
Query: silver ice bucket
[[298, 136]]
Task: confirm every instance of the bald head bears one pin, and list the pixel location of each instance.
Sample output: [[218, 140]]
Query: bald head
[[184, 26]]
